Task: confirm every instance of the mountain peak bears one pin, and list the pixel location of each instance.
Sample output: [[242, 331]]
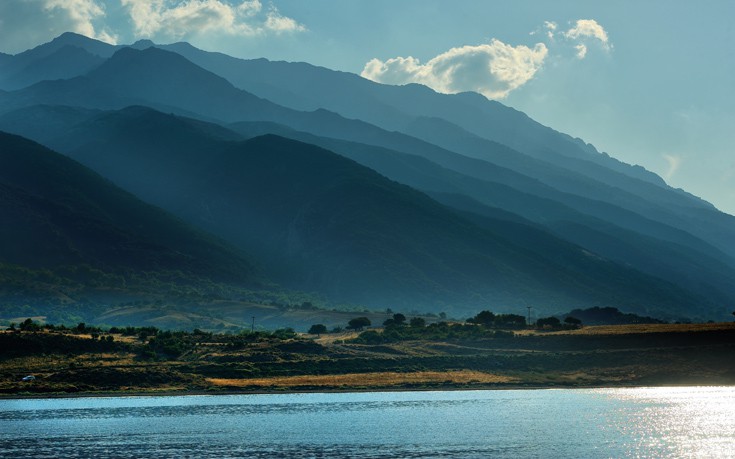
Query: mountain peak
[[75, 39], [90, 45], [142, 44], [70, 36]]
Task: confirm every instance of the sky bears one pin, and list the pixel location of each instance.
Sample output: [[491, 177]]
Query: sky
[[649, 82]]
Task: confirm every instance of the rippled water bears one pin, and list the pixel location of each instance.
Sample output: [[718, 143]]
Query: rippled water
[[646, 422]]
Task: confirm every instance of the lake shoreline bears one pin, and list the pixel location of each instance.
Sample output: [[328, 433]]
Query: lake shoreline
[[188, 393]]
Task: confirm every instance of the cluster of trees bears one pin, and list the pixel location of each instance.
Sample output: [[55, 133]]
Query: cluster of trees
[[555, 324], [25, 344], [175, 344], [31, 326], [491, 320], [610, 316], [358, 323], [439, 331], [154, 342], [398, 321], [515, 321], [484, 325]]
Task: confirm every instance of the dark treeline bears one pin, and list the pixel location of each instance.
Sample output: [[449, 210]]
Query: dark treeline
[[484, 325], [610, 316], [32, 338]]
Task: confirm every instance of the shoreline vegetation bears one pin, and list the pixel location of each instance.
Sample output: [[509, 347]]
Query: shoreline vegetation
[[144, 361]]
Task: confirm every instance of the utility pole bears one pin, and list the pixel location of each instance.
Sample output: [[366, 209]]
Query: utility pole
[[529, 315], [252, 327]]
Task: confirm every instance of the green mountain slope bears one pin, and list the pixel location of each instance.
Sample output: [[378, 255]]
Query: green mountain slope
[[63, 219], [651, 247], [320, 222], [407, 108], [578, 167], [152, 153], [169, 82]]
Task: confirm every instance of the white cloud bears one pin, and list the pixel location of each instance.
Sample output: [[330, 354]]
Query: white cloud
[[672, 165], [27, 23], [250, 8], [550, 29], [589, 28], [170, 19], [81, 16], [493, 69], [581, 51], [277, 23]]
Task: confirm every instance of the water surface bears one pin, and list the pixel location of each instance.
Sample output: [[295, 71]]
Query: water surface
[[643, 422]]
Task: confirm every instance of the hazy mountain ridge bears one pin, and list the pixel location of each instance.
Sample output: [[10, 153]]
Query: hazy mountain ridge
[[632, 217], [384, 105], [256, 208], [653, 248], [58, 213], [389, 162], [66, 62], [397, 107]]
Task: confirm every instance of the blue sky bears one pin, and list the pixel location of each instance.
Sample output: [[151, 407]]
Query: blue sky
[[650, 82]]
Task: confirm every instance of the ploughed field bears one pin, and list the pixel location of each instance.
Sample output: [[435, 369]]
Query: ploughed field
[[140, 360]]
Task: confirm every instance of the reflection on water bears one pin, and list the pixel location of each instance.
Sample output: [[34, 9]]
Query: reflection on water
[[677, 422], [646, 422]]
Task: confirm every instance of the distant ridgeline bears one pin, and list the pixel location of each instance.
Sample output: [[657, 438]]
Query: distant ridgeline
[[202, 185], [610, 316]]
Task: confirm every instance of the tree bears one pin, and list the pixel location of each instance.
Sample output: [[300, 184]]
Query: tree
[[548, 322], [29, 325], [370, 337], [284, 333], [485, 318], [397, 320], [572, 321], [418, 322], [358, 323], [317, 329], [510, 321]]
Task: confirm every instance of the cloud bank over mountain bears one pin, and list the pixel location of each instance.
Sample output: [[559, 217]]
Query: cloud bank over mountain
[[178, 20], [494, 69], [35, 21]]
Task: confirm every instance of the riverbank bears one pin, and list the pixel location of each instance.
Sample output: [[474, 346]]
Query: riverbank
[[590, 357]]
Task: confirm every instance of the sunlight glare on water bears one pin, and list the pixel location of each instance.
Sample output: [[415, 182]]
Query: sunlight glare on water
[[675, 421]]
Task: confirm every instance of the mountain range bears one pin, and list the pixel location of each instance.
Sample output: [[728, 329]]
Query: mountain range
[[366, 194]]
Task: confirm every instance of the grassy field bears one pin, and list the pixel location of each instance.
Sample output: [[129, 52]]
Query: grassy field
[[634, 328], [625, 355], [365, 380]]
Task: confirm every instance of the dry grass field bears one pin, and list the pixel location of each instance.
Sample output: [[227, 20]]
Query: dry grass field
[[625, 355], [367, 380], [634, 328]]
